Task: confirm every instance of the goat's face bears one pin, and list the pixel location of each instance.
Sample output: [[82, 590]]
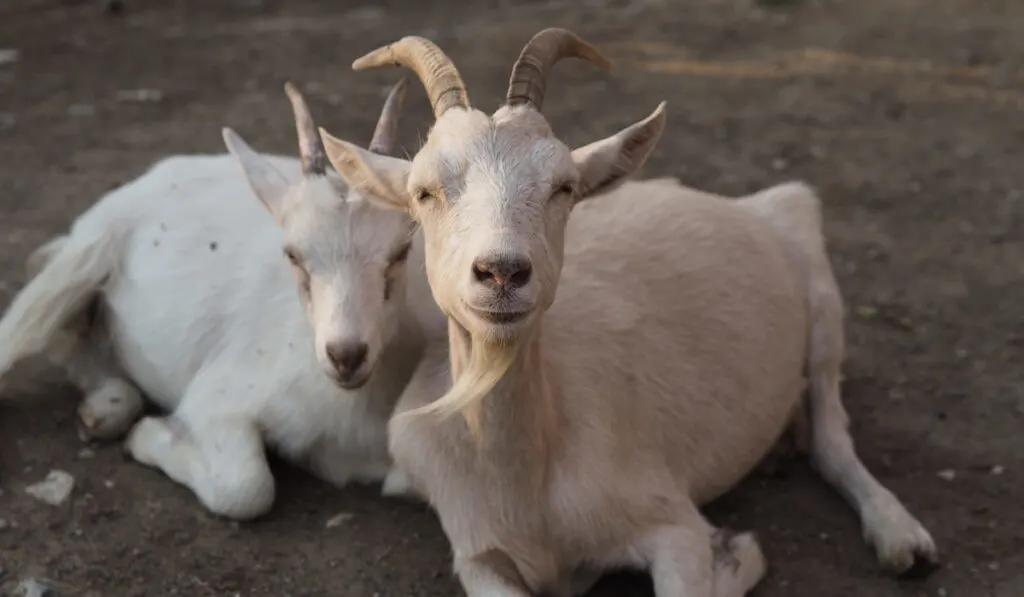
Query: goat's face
[[493, 196], [492, 193], [348, 256], [349, 260]]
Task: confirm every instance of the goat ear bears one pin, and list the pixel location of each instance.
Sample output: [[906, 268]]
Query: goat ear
[[269, 185], [381, 178], [605, 164]]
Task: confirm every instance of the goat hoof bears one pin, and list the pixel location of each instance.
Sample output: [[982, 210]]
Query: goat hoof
[[108, 412], [922, 568], [904, 546]]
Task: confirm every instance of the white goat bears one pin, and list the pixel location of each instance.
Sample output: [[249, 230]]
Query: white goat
[[176, 281], [594, 425]]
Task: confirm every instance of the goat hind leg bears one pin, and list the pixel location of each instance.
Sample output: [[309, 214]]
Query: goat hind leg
[[222, 462], [901, 543], [111, 404]]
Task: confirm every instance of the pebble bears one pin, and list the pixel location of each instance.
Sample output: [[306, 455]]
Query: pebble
[[998, 470], [947, 474], [942, 592], [9, 55], [31, 587], [54, 490], [367, 13], [81, 110], [108, 484], [339, 519], [85, 454], [3, 524], [140, 95]]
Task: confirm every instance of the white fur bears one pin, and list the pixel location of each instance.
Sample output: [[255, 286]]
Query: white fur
[[177, 282], [674, 354]]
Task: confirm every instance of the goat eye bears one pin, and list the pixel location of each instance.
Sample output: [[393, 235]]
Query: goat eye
[[293, 257], [424, 195], [563, 189]]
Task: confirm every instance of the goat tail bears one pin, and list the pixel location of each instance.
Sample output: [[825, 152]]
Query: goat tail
[[66, 273]]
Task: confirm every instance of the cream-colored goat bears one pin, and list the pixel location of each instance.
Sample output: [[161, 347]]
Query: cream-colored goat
[[672, 360]]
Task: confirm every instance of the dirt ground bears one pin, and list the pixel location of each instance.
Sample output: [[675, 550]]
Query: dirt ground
[[908, 115]]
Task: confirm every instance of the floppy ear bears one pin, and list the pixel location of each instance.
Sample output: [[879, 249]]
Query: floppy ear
[[605, 164], [381, 178], [269, 185]]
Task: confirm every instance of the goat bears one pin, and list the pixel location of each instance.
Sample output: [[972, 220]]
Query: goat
[[176, 281], [593, 425]]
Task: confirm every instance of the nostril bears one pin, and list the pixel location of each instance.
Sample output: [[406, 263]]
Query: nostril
[[482, 272], [347, 357], [522, 275], [505, 271]]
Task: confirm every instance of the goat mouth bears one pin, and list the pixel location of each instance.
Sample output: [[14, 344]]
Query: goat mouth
[[500, 317], [354, 381]]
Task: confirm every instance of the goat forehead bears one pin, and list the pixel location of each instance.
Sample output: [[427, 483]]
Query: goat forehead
[[330, 229]]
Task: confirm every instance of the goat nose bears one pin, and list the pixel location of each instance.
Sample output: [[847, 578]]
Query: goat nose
[[347, 357], [503, 271]]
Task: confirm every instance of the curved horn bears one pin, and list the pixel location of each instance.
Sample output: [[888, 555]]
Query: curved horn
[[530, 73], [437, 73], [384, 135], [311, 147]]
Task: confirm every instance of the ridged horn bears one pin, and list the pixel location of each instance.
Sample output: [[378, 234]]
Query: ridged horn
[[435, 70], [529, 78], [311, 147], [383, 141]]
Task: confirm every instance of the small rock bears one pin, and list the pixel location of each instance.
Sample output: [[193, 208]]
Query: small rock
[[993, 566], [997, 470], [368, 13], [31, 587], [866, 311], [779, 164], [823, 536], [140, 95], [947, 474], [9, 55], [3, 524], [942, 592], [339, 519], [81, 110], [54, 490], [85, 454], [108, 484]]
